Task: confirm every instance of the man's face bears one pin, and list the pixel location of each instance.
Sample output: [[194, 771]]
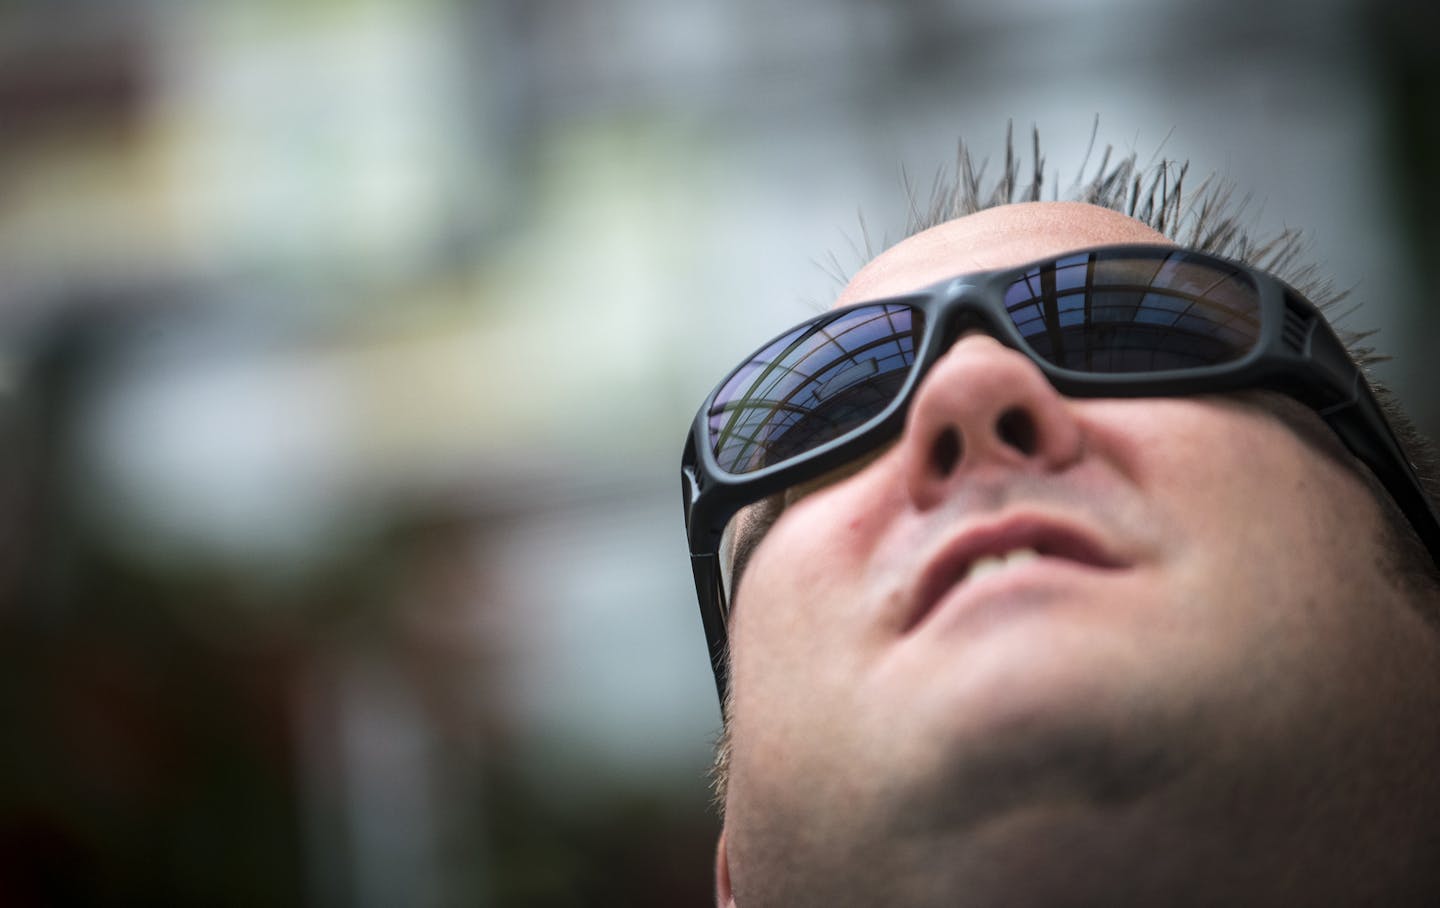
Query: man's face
[[1039, 637]]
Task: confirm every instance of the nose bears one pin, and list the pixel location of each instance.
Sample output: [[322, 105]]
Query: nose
[[984, 404]]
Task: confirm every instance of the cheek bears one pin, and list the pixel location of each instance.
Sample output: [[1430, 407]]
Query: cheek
[[1256, 513], [794, 577], [775, 622], [829, 531], [1191, 461], [807, 577]]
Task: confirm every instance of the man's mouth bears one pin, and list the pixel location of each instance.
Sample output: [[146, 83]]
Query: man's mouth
[[985, 550]]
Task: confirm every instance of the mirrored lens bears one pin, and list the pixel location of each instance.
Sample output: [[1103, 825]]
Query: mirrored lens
[[1124, 312], [813, 385]]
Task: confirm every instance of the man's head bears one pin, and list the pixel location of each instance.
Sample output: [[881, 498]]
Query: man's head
[[1041, 649], [1209, 682]]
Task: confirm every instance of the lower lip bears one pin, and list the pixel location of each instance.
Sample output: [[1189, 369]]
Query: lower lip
[[1041, 582]]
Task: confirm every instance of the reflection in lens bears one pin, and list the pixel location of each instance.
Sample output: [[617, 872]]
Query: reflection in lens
[[813, 385], [1126, 312]]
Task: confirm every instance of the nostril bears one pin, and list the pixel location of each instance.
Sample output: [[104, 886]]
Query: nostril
[[945, 453], [1017, 429]]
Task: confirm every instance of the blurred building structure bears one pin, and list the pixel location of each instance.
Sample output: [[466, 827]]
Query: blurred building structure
[[346, 350]]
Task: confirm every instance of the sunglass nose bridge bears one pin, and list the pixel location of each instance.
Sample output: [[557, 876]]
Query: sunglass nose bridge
[[965, 319]]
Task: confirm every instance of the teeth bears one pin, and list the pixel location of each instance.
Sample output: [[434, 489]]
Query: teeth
[[980, 567], [989, 564], [1020, 556]]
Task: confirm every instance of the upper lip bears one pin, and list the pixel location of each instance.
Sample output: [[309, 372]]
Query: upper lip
[[1048, 536]]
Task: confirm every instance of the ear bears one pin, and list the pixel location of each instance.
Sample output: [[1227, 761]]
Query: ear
[[724, 897]]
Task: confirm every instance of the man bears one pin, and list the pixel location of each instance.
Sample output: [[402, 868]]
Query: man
[[1013, 645]]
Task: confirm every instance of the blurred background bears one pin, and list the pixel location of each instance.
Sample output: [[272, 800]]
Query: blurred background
[[347, 349]]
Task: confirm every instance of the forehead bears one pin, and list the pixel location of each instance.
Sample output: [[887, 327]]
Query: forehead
[[994, 238]]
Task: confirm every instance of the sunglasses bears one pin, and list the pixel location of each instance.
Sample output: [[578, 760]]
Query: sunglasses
[[1117, 321]]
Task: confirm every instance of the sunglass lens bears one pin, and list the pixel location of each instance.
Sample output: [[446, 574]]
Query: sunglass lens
[[1126, 312], [817, 383]]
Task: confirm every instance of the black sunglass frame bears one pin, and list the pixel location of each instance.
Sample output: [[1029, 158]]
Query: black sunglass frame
[[1297, 353]]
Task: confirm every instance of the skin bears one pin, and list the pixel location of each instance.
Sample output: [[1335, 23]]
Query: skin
[[1240, 709]]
